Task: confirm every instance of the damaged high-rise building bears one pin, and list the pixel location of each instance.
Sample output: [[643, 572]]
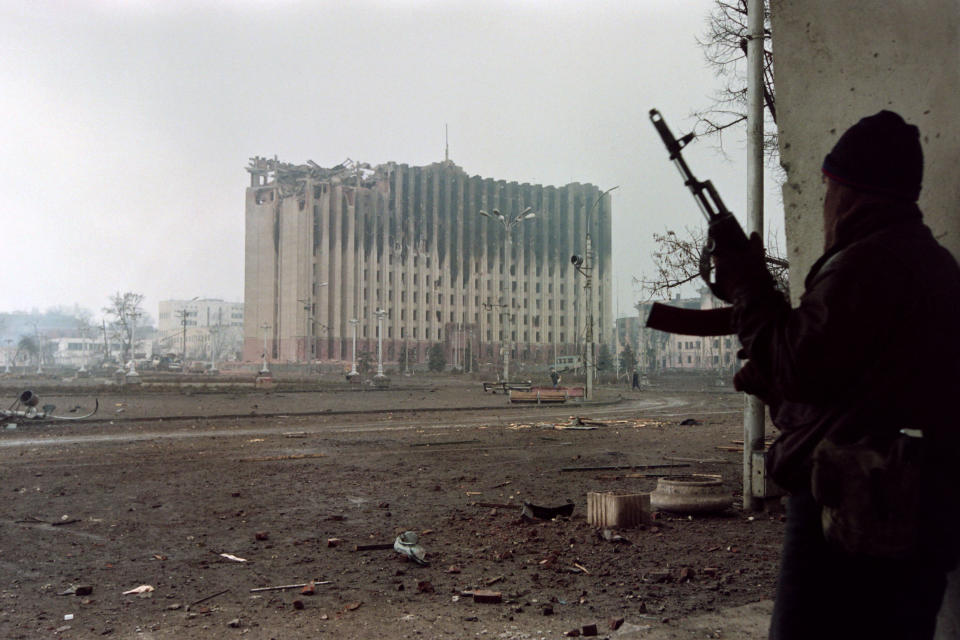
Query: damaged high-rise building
[[325, 247]]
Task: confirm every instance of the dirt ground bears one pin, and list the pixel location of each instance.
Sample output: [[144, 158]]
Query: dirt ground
[[163, 480]]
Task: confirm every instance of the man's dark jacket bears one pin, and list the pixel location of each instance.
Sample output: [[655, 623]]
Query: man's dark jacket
[[873, 347]]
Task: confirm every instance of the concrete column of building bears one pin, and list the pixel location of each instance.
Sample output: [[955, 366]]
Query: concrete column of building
[[906, 61]]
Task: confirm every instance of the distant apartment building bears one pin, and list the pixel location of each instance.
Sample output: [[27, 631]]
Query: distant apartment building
[[659, 351], [199, 326], [327, 248]]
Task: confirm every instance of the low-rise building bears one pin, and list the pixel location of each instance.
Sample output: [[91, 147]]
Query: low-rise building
[[660, 351]]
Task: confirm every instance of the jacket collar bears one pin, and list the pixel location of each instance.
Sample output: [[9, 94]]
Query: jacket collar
[[867, 215]]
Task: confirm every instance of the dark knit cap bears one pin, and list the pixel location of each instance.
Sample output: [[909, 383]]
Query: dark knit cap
[[879, 154]]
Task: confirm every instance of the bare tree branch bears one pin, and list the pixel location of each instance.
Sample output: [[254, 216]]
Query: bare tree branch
[[677, 262], [724, 48]]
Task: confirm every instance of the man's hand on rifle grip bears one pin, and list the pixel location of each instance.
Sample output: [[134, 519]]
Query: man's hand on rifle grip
[[739, 273]]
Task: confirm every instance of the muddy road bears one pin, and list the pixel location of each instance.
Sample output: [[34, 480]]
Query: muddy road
[[160, 484]]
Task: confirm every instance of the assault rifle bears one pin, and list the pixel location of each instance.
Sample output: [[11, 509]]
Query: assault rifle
[[722, 229]]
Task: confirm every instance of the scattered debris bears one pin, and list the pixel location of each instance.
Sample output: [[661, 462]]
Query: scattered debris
[[64, 520], [261, 535], [445, 442], [616, 623], [493, 581], [374, 547], [698, 460], [485, 596], [25, 406], [282, 587], [531, 511], [234, 624], [408, 544], [230, 556], [581, 567], [295, 434], [353, 606], [580, 421], [612, 536], [496, 505], [425, 586], [589, 629], [690, 422], [210, 597], [625, 466], [453, 569], [333, 542], [295, 456], [309, 589], [144, 588], [298, 604], [618, 510]]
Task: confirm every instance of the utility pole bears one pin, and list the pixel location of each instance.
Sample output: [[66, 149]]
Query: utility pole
[[353, 364], [508, 225], [753, 413], [264, 370], [584, 264], [132, 376], [380, 313]]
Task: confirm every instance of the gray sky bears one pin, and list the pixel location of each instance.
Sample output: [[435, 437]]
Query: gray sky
[[127, 125]]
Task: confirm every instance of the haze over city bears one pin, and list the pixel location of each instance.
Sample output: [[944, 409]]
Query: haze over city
[[128, 125]]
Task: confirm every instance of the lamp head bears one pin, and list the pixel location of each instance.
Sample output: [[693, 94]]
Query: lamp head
[[576, 260]]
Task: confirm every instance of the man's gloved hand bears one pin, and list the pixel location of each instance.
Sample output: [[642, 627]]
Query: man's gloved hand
[[750, 379], [740, 273]]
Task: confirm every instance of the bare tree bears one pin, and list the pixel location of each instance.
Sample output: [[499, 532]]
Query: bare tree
[[724, 46], [124, 310], [677, 262]]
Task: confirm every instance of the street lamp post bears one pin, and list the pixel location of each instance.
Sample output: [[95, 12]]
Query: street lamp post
[[380, 313], [353, 364], [508, 225], [132, 376], [308, 326], [264, 370], [584, 264]]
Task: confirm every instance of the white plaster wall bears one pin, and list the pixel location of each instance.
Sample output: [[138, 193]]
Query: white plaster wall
[[836, 62], [839, 61]]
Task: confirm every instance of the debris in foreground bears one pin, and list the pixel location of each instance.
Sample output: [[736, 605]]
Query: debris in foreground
[[144, 588], [408, 544], [289, 586], [531, 511], [618, 510]]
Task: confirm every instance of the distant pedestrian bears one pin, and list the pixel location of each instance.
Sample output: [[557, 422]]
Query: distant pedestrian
[[636, 380], [555, 378]]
